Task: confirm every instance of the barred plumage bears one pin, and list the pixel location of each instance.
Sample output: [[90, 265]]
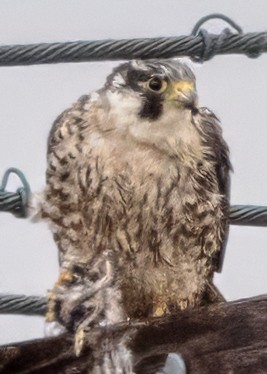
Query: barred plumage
[[139, 170]]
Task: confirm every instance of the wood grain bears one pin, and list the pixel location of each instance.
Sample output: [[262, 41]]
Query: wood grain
[[222, 338]]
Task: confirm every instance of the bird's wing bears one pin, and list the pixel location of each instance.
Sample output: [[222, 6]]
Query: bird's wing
[[65, 122], [218, 152], [64, 157]]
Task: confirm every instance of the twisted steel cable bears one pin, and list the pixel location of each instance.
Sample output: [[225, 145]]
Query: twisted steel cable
[[252, 45], [200, 46], [22, 304], [248, 215]]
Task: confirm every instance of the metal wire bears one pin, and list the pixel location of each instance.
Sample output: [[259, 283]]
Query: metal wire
[[200, 46], [248, 215], [21, 304]]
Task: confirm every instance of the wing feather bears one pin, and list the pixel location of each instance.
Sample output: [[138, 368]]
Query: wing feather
[[66, 121], [217, 152]]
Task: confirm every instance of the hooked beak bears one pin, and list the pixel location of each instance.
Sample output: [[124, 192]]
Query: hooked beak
[[183, 92]]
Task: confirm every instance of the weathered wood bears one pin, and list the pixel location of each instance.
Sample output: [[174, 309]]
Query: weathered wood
[[222, 338]]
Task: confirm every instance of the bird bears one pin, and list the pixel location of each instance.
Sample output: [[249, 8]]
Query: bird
[[137, 196]]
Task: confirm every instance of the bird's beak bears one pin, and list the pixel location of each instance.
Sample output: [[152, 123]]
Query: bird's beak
[[183, 92]]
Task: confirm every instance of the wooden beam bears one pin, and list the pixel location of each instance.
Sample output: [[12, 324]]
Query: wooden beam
[[223, 338]]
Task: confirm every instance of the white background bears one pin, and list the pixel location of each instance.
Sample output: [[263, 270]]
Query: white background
[[31, 97]]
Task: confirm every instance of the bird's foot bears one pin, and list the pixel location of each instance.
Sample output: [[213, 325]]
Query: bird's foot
[[160, 308], [57, 294], [163, 307], [73, 298]]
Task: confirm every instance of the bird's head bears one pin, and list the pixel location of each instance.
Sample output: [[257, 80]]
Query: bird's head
[[153, 86]]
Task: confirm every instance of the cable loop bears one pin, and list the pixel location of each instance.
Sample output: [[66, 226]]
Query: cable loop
[[16, 202], [212, 43], [209, 17]]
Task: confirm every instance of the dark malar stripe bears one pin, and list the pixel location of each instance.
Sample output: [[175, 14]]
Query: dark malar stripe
[[152, 107]]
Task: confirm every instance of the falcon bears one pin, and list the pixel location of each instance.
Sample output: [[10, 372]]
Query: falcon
[[137, 197]]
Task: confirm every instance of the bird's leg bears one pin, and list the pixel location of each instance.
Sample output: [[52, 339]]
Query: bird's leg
[[56, 296], [88, 306], [97, 304], [75, 286]]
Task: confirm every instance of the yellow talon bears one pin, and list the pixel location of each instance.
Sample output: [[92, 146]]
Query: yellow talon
[[160, 309], [79, 341]]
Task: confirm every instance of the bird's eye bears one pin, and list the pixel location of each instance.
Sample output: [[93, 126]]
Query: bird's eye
[[157, 84]]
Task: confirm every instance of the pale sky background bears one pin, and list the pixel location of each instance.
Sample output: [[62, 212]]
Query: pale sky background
[[31, 97]]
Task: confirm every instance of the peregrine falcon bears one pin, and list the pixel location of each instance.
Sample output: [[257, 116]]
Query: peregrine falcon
[[137, 187]]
